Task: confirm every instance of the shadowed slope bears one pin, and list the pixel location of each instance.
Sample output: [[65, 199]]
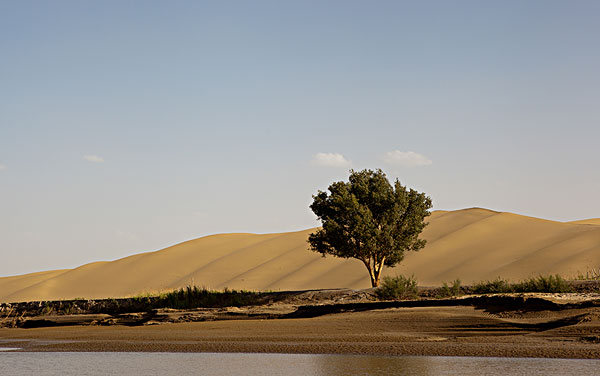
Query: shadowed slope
[[471, 244]]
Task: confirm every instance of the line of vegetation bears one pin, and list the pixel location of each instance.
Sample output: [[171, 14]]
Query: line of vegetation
[[549, 284], [195, 297], [404, 288], [190, 297]]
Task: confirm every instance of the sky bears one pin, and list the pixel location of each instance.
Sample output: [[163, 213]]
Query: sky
[[130, 126]]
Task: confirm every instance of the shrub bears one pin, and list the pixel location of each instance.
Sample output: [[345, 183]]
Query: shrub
[[551, 283], [492, 287], [398, 287], [448, 291]]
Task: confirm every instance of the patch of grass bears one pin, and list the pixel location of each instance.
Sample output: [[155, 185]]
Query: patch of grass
[[398, 287], [450, 290]]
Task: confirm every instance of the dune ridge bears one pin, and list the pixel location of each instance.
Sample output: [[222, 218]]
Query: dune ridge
[[591, 221], [471, 244]]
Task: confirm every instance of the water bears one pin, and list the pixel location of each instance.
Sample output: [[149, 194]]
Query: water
[[46, 364]]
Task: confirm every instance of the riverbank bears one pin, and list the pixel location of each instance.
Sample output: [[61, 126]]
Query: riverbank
[[542, 325]]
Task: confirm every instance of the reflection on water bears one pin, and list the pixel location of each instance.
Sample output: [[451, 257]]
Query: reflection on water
[[438, 365], [280, 364]]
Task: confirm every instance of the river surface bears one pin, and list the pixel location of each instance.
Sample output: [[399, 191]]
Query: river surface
[[81, 363]]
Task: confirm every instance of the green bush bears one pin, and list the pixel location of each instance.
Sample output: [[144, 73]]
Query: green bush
[[398, 287], [492, 287], [453, 290], [551, 284]]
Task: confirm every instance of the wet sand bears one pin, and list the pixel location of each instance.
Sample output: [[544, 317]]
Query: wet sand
[[443, 331]]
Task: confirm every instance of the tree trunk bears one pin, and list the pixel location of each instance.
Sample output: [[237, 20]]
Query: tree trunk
[[377, 276], [374, 272], [374, 280]]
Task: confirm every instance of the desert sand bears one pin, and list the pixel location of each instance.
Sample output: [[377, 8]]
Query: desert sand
[[592, 221], [471, 244]]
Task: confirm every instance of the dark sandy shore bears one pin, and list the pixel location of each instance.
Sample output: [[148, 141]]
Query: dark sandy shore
[[444, 331]]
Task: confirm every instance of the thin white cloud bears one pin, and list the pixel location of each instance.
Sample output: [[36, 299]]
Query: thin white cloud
[[406, 158], [93, 158], [2, 167], [330, 160]]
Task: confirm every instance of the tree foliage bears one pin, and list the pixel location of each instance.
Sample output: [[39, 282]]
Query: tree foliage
[[369, 219]]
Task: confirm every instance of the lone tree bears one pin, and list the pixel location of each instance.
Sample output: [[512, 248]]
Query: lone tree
[[369, 219]]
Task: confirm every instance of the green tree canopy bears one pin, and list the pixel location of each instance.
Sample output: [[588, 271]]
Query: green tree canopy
[[369, 219]]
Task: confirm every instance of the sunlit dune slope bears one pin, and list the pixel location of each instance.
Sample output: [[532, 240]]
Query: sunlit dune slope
[[592, 221], [471, 244], [477, 244]]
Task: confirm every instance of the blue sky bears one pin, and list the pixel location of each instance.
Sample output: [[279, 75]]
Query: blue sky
[[128, 126]]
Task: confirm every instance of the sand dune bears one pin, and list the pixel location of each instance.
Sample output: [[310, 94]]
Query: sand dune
[[592, 221], [470, 244]]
